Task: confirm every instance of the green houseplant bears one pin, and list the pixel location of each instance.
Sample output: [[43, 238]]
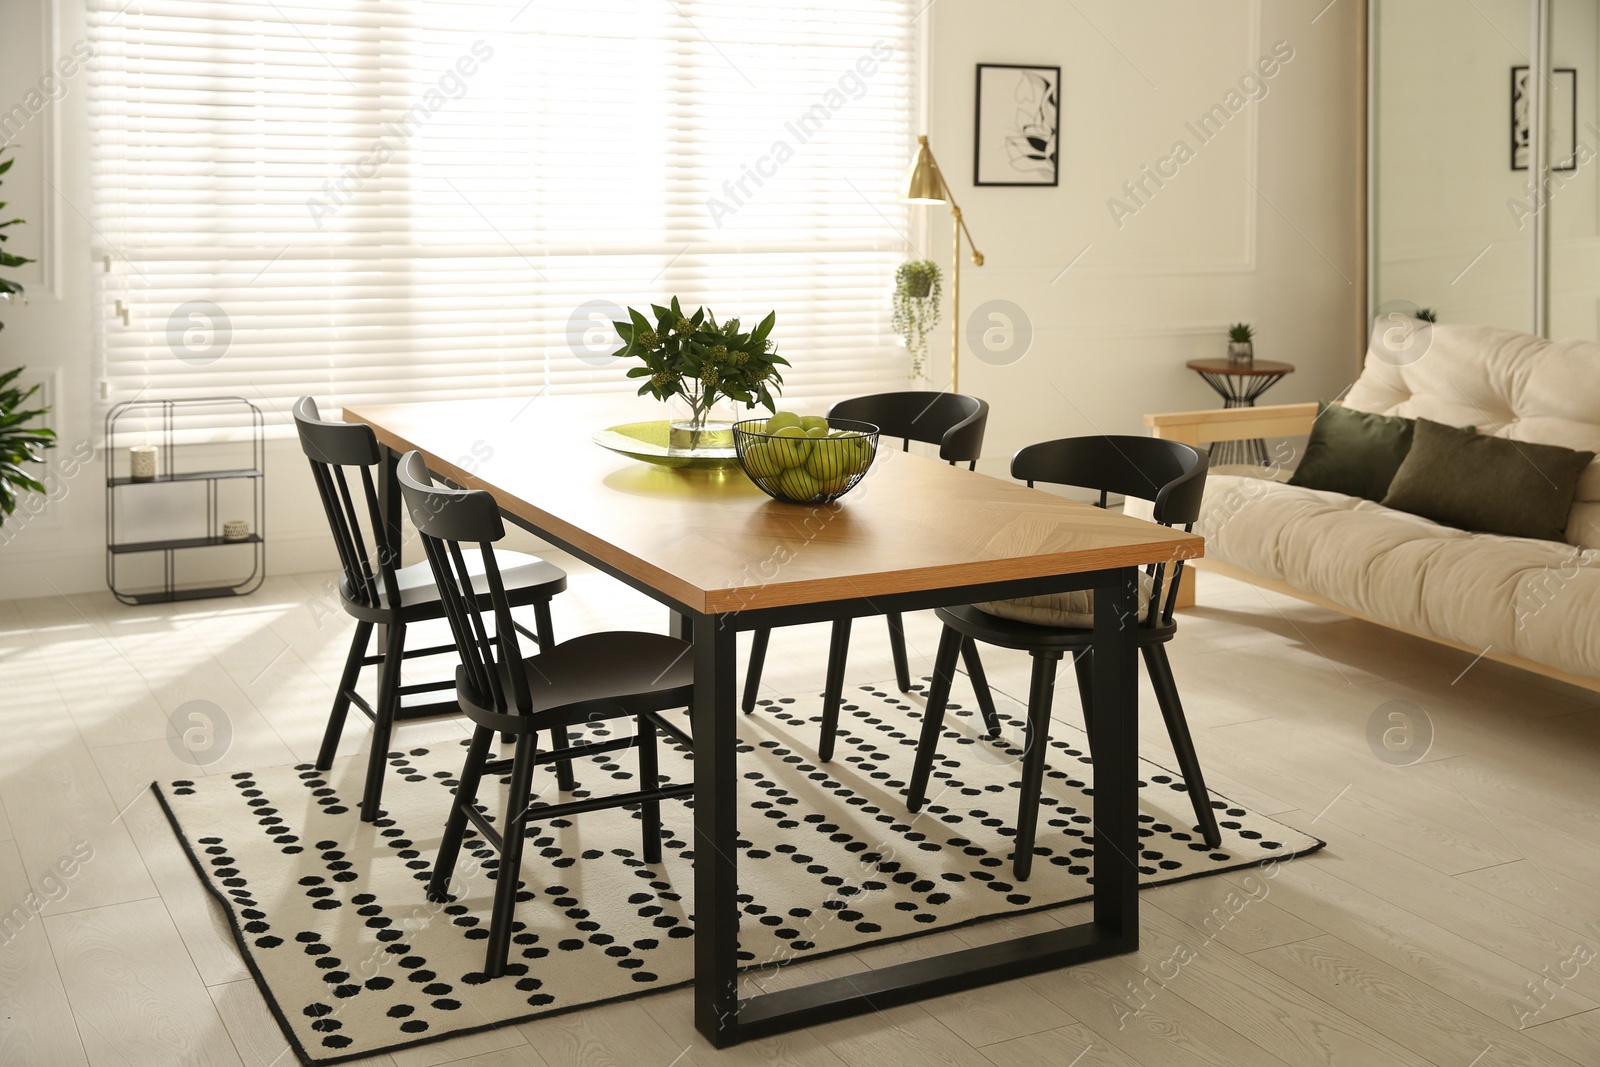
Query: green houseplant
[[9, 290], [1241, 343], [1427, 315], [917, 290], [19, 443], [697, 360]]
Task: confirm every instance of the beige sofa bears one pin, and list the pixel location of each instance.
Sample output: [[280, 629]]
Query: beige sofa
[[1534, 604]]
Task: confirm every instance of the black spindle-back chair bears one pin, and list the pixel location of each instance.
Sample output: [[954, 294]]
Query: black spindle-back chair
[[956, 423], [1172, 476], [376, 591], [588, 679]]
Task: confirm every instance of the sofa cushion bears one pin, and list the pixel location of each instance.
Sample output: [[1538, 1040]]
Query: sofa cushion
[[1533, 599], [1489, 484], [1353, 452], [1507, 384]]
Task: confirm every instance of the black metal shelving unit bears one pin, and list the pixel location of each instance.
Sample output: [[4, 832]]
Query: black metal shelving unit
[[165, 414]]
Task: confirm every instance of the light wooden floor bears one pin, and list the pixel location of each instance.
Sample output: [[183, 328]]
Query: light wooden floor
[[1453, 919]]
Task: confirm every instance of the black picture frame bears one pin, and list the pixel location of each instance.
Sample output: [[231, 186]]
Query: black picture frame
[[1021, 149], [1565, 81]]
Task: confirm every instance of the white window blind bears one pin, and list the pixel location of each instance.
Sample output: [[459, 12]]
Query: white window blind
[[389, 200]]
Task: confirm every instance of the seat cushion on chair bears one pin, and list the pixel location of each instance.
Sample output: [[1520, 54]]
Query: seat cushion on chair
[[619, 672], [520, 572], [1074, 610]]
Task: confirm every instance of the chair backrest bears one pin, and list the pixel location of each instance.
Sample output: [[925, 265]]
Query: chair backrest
[[1169, 474], [448, 518], [952, 421], [332, 448]]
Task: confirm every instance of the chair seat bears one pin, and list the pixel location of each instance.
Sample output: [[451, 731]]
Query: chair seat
[[1071, 610], [617, 672], [521, 573], [969, 620]]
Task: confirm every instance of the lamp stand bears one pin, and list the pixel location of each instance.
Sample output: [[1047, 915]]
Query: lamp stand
[[958, 226], [925, 184]]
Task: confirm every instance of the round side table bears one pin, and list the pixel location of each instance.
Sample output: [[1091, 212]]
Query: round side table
[[1239, 384]]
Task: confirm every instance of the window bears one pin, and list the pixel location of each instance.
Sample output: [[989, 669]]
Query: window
[[424, 199]]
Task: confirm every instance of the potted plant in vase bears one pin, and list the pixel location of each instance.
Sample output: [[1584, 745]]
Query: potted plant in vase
[[916, 308], [698, 361], [1241, 345]]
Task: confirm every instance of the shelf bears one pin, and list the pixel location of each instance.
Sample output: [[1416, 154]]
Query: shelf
[[189, 476], [158, 422], [159, 596], [182, 542]]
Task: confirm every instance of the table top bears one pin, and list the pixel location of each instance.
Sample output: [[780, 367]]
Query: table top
[[713, 542], [1225, 366]]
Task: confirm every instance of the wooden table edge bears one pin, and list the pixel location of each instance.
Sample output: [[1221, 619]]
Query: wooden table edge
[[734, 598]]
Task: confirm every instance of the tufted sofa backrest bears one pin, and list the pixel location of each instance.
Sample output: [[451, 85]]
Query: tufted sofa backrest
[[1504, 383]]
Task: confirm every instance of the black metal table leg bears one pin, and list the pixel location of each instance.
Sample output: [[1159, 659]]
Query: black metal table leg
[[1114, 739], [725, 1020], [715, 723]]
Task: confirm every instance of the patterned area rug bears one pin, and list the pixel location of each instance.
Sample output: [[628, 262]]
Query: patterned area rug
[[353, 959]]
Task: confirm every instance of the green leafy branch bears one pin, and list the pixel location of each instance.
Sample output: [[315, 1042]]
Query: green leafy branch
[[700, 360], [19, 443], [9, 290]]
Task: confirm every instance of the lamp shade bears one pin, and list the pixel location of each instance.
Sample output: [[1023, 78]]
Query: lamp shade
[[924, 184]]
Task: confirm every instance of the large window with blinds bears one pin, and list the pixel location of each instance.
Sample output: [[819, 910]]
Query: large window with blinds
[[388, 200]]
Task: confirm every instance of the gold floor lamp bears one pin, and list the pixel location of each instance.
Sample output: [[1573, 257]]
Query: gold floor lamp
[[926, 185]]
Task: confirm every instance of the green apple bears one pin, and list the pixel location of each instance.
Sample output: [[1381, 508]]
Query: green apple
[[827, 460], [835, 481], [813, 422], [791, 446], [819, 433], [796, 484], [761, 459], [781, 419]]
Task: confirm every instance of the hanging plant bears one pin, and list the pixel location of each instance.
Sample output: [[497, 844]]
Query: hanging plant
[[916, 308]]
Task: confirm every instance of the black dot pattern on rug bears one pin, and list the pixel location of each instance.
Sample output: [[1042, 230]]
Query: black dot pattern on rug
[[336, 916]]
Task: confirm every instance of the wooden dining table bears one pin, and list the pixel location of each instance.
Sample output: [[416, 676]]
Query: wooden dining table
[[725, 558]]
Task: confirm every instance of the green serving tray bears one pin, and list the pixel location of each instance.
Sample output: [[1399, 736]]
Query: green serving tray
[[647, 442]]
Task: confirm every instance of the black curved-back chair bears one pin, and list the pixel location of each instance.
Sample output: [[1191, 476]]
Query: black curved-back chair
[[956, 423], [588, 679], [1173, 476], [376, 592]]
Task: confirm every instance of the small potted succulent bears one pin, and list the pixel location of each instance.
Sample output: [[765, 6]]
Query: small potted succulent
[[1427, 314], [696, 360], [1241, 344], [916, 308]]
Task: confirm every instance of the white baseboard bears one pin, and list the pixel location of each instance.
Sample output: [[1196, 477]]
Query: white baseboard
[[44, 572]]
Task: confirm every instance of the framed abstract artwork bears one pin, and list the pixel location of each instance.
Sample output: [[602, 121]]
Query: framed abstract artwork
[[1018, 127], [1563, 108]]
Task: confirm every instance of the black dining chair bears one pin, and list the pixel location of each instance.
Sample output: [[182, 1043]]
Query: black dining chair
[[1171, 475], [376, 591], [956, 423], [588, 679]]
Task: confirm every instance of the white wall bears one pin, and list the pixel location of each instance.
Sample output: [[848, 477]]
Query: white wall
[[1263, 225]]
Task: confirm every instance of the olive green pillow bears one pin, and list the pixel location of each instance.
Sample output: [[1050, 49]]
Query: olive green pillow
[[1489, 484], [1353, 452]]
